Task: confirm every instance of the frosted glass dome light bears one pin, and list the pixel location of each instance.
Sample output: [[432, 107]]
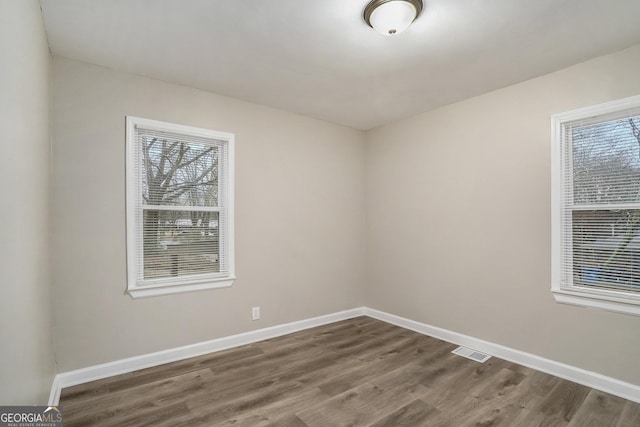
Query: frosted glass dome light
[[390, 17]]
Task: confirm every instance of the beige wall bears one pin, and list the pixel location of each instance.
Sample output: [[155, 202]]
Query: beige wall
[[26, 349], [299, 218], [458, 231]]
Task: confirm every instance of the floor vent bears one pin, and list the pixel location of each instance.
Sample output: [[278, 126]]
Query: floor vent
[[471, 354]]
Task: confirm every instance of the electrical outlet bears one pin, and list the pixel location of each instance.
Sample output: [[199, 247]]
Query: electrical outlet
[[255, 313]]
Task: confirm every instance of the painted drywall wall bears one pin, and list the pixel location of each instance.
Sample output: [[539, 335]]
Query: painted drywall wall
[[26, 352], [299, 218], [458, 231]]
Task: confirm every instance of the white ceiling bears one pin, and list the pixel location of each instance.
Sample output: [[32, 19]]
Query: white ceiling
[[318, 57]]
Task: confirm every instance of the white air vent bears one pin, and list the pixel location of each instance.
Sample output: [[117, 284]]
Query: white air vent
[[471, 354]]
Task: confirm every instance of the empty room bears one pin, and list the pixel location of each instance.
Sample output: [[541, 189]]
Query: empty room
[[320, 213]]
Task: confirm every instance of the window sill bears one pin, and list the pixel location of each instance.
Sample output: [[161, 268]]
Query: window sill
[[157, 290], [609, 303]]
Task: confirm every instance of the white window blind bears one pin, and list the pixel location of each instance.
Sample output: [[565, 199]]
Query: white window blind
[[599, 205], [179, 207]]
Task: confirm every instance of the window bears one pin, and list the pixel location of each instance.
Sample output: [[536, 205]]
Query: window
[[596, 206], [179, 208]]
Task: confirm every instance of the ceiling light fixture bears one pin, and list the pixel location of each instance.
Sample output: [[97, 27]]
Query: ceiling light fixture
[[390, 17]]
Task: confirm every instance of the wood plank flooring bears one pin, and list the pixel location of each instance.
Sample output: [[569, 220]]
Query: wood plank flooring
[[358, 372]]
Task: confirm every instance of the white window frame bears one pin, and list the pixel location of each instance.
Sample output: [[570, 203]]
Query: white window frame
[[137, 288], [566, 292]]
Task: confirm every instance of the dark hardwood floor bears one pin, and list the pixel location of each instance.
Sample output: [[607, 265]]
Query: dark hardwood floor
[[359, 372]]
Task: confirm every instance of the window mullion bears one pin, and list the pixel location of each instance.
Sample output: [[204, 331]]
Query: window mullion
[[182, 208], [606, 207]]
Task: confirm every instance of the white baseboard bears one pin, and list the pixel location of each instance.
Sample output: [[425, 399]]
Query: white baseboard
[[568, 372], [92, 373], [581, 376]]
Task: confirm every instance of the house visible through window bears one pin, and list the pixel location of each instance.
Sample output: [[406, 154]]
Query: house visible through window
[[596, 217], [179, 208]]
